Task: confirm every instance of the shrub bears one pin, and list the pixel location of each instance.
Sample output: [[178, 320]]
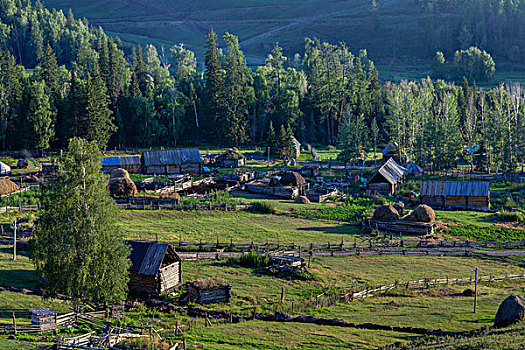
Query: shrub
[[251, 259], [265, 207], [514, 216]]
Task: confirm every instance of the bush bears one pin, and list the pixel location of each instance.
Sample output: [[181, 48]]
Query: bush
[[513, 216], [265, 207], [251, 259], [486, 233]]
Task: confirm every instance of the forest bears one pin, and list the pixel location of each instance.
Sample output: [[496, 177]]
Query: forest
[[62, 78]]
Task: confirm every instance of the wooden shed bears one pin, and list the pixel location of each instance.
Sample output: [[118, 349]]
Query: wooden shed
[[131, 164], [386, 180], [231, 159], [155, 268], [461, 195], [48, 167], [172, 161], [209, 291]]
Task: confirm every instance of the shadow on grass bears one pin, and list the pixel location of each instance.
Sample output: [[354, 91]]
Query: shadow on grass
[[19, 278]]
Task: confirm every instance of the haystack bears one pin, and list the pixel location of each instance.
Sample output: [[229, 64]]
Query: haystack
[[302, 200], [117, 173], [292, 178], [122, 187], [7, 187], [423, 213], [231, 154], [386, 213]]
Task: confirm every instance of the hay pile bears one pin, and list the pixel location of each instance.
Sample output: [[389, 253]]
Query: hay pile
[[386, 213], [302, 200], [292, 178], [423, 213], [118, 173], [120, 184], [231, 154], [7, 187]]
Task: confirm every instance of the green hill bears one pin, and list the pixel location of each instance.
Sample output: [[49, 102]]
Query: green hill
[[398, 33]]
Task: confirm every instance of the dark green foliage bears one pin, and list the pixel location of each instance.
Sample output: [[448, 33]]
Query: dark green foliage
[[486, 233], [354, 210], [473, 63], [252, 259], [266, 207], [512, 216], [79, 248]]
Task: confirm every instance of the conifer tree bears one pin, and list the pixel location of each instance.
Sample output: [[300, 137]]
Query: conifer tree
[[214, 81], [78, 247], [40, 116], [98, 120]]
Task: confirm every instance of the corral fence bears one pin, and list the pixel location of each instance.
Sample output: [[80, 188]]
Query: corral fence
[[174, 206], [355, 246]]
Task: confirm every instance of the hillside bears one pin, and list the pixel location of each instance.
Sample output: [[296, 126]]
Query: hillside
[[260, 23]]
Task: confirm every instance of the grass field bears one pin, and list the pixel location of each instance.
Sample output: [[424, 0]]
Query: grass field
[[242, 227]]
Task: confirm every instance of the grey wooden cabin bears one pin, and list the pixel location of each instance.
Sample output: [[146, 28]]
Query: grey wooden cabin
[[155, 268]]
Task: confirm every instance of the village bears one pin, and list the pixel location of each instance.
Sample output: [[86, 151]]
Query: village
[[230, 241]]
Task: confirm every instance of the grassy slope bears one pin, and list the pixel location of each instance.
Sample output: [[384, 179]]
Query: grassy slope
[[242, 227]]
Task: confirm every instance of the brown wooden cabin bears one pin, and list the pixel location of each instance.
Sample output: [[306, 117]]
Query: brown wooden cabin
[[172, 161], [230, 159], [155, 268], [209, 291], [460, 195], [131, 164], [386, 180]]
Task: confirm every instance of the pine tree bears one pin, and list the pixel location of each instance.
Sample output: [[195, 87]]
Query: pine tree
[[78, 247], [40, 116], [272, 141], [214, 81], [234, 106], [98, 121]]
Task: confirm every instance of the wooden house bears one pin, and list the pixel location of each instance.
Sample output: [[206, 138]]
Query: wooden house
[[210, 291], [131, 164], [231, 159], [155, 268], [386, 180], [460, 195], [172, 161]]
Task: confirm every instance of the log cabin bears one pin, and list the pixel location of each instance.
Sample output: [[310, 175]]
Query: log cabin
[[386, 180], [172, 161], [155, 268], [460, 195], [131, 164]]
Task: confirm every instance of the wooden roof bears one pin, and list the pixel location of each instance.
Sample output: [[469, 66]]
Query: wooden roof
[[146, 258], [392, 172], [451, 188], [412, 168], [177, 156]]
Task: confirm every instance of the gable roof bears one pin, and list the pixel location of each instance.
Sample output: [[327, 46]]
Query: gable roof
[[391, 171], [146, 258], [451, 188], [177, 156]]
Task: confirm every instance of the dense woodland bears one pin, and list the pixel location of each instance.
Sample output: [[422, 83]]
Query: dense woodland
[[61, 78]]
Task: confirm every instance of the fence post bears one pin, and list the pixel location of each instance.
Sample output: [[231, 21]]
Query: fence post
[[14, 323], [476, 290], [282, 296]]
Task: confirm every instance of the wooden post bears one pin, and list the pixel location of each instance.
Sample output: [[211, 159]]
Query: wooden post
[[309, 257], [282, 296], [14, 323], [14, 241], [184, 343], [476, 290]]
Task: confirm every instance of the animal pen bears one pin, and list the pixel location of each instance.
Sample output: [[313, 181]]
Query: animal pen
[[155, 268]]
